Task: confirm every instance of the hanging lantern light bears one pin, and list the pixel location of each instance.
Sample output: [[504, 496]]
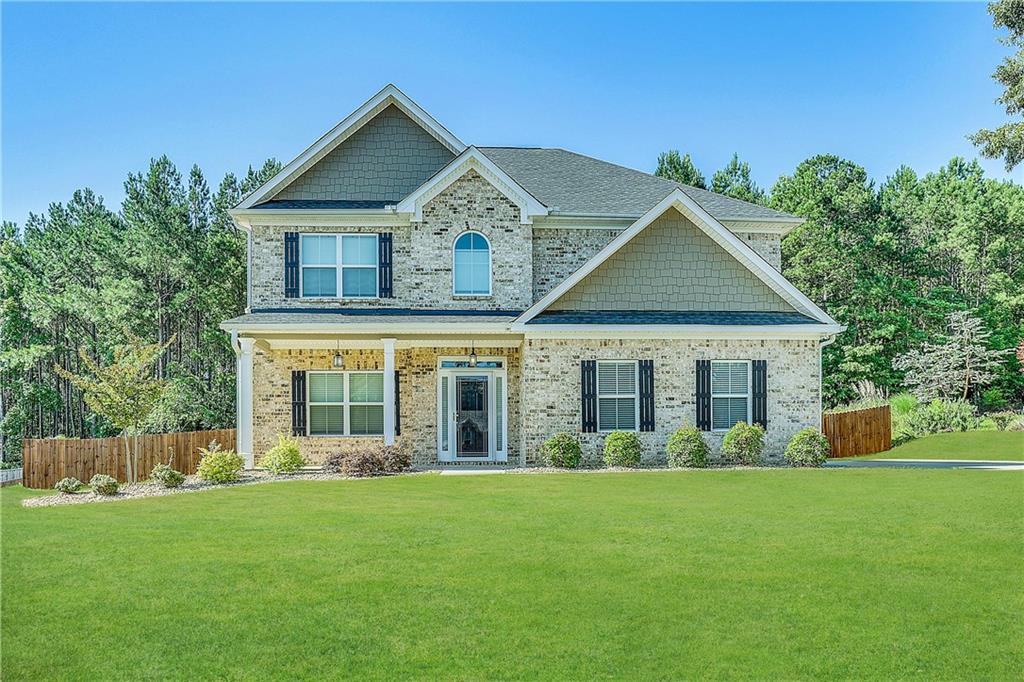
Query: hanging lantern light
[[472, 355], [338, 361]]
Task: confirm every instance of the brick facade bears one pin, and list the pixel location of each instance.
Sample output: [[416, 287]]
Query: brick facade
[[417, 369], [551, 388]]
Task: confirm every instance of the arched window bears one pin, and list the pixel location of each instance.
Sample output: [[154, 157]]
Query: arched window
[[472, 265]]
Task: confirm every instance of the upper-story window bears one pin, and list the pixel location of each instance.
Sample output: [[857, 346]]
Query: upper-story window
[[333, 263], [472, 265]]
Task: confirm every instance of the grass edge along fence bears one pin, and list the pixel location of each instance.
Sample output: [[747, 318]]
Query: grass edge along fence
[[858, 432], [47, 460]]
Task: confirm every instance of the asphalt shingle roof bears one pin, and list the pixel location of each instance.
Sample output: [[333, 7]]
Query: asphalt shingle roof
[[324, 203], [369, 316], [573, 183]]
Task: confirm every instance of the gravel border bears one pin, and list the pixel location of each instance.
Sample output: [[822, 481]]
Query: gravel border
[[192, 484]]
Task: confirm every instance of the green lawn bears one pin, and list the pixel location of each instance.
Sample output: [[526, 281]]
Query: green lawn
[[770, 574], [998, 445]]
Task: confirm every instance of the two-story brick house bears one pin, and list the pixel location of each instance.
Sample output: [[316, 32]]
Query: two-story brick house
[[470, 302]]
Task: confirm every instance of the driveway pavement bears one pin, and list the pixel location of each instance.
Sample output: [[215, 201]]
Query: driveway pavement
[[925, 464]]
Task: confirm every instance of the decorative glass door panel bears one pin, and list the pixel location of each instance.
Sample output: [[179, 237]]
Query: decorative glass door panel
[[471, 416]]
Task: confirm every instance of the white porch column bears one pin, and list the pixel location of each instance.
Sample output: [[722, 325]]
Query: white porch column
[[389, 391], [243, 358]]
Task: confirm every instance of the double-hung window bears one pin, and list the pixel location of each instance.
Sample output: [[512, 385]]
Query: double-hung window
[[730, 393], [346, 403], [617, 404], [333, 263]]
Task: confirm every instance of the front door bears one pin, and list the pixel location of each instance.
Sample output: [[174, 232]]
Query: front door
[[471, 416]]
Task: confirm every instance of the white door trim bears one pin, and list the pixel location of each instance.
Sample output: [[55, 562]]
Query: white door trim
[[450, 453]]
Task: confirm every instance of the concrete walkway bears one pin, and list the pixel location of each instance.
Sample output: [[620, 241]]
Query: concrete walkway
[[925, 464]]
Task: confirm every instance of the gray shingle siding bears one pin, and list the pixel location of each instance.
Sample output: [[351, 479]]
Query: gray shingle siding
[[385, 160], [656, 317]]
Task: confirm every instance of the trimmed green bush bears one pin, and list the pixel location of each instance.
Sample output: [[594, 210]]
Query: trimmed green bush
[[743, 444], [808, 448], [283, 458], [941, 416], [687, 448], [1002, 420], [622, 449], [562, 450], [166, 476], [103, 485], [219, 466], [67, 485]]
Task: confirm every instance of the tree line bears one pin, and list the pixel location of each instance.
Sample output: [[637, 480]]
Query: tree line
[[168, 267], [895, 262]]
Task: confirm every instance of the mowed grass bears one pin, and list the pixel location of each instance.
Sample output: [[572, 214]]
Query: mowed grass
[[770, 574], [969, 445]]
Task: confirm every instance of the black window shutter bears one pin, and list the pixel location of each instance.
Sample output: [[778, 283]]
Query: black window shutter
[[298, 402], [385, 266], [704, 395], [646, 395], [398, 403], [759, 393], [291, 264], [588, 394]]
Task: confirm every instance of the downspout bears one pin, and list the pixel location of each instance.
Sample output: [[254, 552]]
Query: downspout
[[821, 380]]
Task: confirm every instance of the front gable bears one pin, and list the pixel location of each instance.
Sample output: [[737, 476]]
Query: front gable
[[677, 257], [672, 265], [386, 159]]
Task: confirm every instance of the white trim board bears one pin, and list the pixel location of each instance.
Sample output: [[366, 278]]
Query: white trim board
[[346, 128], [472, 159], [680, 201]]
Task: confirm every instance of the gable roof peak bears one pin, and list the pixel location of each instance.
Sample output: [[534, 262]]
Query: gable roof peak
[[389, 95]]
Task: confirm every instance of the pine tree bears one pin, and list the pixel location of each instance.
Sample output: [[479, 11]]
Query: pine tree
[[734, 180], [679, 169], [1007, 141]]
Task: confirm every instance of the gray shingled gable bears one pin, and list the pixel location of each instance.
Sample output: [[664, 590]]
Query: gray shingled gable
[[656, 317], [385, 160], [572, 183]]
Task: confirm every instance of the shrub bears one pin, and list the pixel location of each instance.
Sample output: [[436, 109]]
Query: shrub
[[394, 459], [67, 485], [808, 448], [622, 449], [362, 463], [993, 399], [940, 416], [1003, 420], [103, 484], [687, 448], [166, 476], [333, 462], [283, 458], [743, 444], [371, 461], [219, 466], [562, 450]]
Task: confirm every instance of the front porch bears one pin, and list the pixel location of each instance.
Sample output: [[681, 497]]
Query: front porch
[[453, 402]]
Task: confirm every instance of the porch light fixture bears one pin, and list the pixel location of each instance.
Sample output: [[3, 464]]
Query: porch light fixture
[[472, 355], [338, 361]]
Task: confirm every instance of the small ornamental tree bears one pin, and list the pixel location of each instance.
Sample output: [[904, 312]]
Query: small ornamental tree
[[125, 391], [949, 369]]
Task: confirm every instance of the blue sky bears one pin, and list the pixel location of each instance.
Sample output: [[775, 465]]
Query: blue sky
[[91, 92]]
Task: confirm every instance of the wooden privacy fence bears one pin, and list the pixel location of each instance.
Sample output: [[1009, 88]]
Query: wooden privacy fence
[[858, 432], [47, 460]]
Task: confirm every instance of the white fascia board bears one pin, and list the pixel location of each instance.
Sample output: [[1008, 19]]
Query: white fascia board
[[350, 124], [680, 201], [367, 328], [472, 159], [319, 217], [678, 331]]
